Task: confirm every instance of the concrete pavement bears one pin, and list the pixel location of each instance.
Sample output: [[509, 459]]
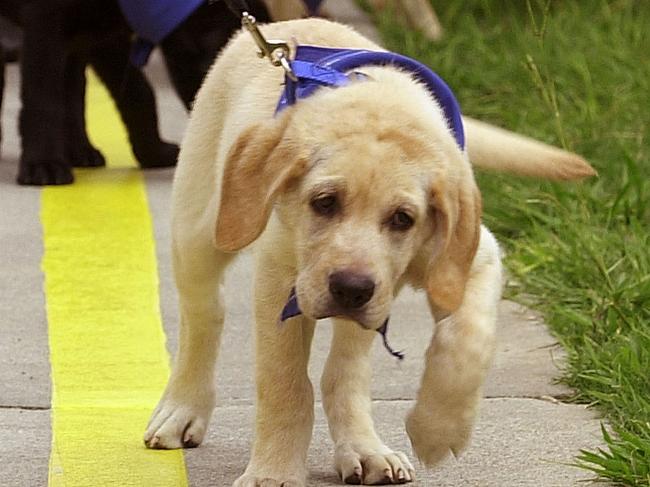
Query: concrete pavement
[[524, 437]]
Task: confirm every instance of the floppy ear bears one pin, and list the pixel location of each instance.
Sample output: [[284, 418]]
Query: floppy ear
[[258, 167], [458, 228]]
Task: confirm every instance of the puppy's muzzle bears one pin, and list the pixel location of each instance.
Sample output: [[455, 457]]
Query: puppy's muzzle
[[351, 290]]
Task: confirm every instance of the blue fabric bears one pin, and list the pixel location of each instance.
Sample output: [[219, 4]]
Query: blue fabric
[[291, 309], [323, 66], [313, 6], [152, 21]]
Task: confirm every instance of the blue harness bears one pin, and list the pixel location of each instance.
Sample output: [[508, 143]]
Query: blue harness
[[315, 67], [323, 66]]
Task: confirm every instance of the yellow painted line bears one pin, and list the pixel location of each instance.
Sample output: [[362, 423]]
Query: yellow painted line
[[109, 363]]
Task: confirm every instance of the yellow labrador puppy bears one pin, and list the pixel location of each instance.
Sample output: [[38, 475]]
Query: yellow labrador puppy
[[349, 195]]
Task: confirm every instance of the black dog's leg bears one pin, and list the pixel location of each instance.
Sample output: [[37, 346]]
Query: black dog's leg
[[2, 84], [191, 48], [79, 151], [42, 118], [135, 102]]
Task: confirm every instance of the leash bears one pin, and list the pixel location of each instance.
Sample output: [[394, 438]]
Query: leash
[[278, 52]]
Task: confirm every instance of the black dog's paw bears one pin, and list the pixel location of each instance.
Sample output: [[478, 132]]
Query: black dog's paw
[[44, 173], [85, 155], [165, 155]]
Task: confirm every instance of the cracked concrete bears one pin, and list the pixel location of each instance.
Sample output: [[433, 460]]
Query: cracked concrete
[[26, 408], [521, 439]]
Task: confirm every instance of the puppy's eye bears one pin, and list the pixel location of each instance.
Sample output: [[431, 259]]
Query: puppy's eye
[[401, 221], [326, 205]]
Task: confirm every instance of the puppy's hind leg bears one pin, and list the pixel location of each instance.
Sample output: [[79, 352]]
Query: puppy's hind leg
[[360, 456], [182, 415]]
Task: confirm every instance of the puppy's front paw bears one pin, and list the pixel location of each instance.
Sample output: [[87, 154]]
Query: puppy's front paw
[[372, 466], [253, 480], [435, 435], [178, 423]]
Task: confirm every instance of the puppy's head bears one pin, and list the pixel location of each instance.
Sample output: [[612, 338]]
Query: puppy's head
[[371, 199]]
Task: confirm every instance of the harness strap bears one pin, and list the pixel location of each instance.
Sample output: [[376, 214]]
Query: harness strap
[[317, 66], [292, 309]]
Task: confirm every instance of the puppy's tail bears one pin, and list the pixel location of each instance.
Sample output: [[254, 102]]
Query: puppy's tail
[[491, 147]]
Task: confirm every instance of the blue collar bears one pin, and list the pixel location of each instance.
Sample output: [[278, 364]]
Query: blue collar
[[323, 66]]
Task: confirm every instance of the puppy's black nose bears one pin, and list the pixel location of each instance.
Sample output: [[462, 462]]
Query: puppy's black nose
[[351, 290]]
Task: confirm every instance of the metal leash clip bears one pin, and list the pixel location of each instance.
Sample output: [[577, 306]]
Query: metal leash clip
[[278, 52]]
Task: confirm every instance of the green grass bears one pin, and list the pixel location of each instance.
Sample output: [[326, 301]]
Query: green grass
[[575, 73]]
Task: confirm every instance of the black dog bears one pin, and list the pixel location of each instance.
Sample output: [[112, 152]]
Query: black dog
[[60, 37]]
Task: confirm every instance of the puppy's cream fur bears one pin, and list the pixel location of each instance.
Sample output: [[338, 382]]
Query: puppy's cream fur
[[382, 149]]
